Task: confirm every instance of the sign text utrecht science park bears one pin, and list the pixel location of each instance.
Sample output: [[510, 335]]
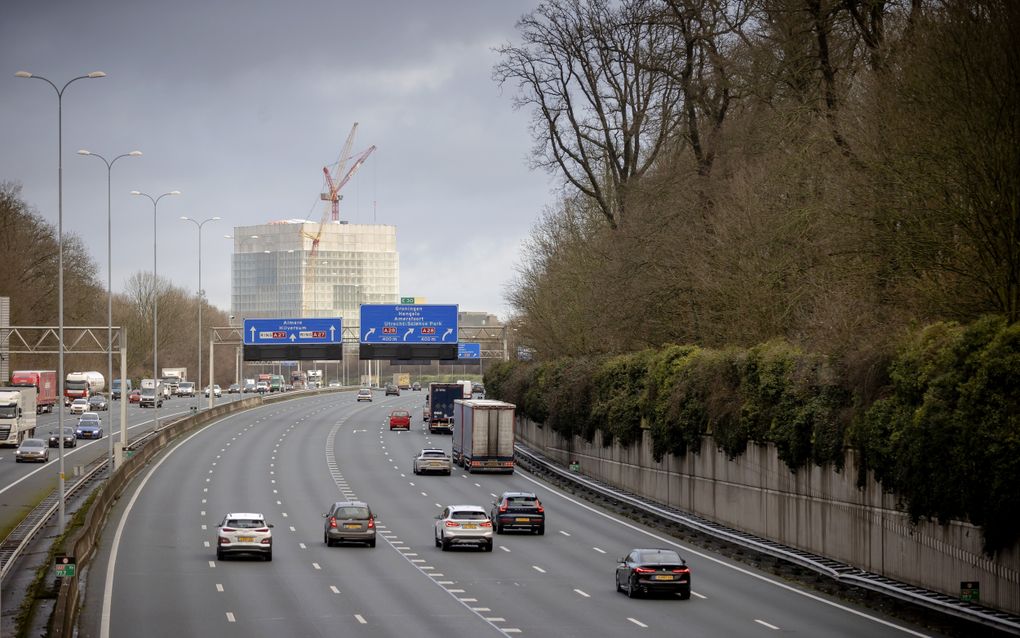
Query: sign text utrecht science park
[[411, 324]]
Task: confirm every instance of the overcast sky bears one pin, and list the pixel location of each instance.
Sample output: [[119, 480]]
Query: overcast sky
[[239, 105]]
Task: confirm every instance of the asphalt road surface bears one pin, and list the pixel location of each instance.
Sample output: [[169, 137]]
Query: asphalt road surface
[[156, 573]]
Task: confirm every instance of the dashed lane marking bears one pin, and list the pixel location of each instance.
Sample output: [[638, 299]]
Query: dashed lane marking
[[637, 622], [770, 626]]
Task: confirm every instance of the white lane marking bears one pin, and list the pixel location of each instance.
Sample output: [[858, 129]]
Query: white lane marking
[[504, 548], [212, 563], [230, 617], [736, 568], [279, 502], [410, 483], [292, 528], [424, 494], [493, 495], [496, 619], [206, 543], [477, 485], [601, 551], [468, 600], [636, 622], [219, 587], [582, 593], [333, 588], [455, 591], [480, 609], [538, 569], [438, 505], [697, 595], [284, 514], [360, 619], [564, 533], [202, 513], [302, 546], [511, 630], [444, 582], [316, 566], [770, 626]]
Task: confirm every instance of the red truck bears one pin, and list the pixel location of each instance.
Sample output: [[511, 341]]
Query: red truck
[[45, 384]]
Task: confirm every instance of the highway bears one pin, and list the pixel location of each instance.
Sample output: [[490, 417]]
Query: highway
[[156, 572], [23, 484]]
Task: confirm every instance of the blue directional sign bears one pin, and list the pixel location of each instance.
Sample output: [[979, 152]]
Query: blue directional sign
[[424, 323], [469, 351], [296, 331]]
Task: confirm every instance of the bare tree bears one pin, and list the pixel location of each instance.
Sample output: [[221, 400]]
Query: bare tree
[[601, 117]]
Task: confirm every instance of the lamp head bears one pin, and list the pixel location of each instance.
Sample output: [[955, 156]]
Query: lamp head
[[135, 153], [174, 193], [97, 74], [82, 151], [136, 192], [22, 74]]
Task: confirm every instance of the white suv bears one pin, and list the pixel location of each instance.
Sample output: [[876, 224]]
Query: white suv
[[244, 533], [463, 524]]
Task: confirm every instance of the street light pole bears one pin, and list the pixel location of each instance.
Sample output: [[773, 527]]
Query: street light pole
[[109, 282], [60, 265], [199, 225], [156, 400]]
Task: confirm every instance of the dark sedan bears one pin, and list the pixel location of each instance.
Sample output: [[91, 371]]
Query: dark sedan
[[70, 439], [644, 571], [97, 403], [518, 510]]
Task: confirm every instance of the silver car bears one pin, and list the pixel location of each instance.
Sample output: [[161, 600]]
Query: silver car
[[433, 460], [349, 521], [32, 450], [463, 525]]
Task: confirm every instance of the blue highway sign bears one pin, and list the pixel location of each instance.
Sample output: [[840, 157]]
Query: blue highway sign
[[425, 323], [296, 331], [469, 351]]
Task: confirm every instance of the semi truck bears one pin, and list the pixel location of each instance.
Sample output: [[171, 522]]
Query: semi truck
[[439, 408], [483, 435], [180, 373], [45, 384], [402, 380], [17, 414], [82, 385]]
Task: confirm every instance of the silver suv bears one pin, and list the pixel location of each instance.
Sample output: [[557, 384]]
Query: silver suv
[[244, 533], [349, 521], [433, 460], [463, 525]]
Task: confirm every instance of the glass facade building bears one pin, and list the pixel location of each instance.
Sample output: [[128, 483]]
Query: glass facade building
[[273, 274]]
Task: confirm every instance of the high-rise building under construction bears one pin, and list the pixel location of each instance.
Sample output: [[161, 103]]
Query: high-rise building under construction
[[279, 271]]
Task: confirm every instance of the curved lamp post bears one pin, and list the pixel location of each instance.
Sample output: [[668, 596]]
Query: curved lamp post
[[60, 262], [155, 301], [199, 224], [109, 281]]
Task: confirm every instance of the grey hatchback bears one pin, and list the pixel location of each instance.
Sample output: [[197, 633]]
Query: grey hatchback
[[349, 521]]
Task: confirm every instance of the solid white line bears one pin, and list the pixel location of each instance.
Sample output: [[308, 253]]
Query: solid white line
[[762, 622], [582, 593], [636, 622], [360, 619], [230, 617], [104, 626], [736, 568]]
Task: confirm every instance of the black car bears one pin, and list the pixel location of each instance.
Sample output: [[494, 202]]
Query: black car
[[392, 389], [97, 403], [518, 510], [416, 387], [653, 570], [70, 439]]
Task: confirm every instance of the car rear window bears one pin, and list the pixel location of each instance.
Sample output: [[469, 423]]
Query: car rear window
[[435, 455], [522, 501], [352, 512], [400, 413], [664, 556], [245, 523], [470, 516]]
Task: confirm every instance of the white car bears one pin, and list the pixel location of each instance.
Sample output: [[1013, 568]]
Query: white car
[[433, 460], [244, 533], [79, 406], [186, 389], [463, 525], [215, 390]]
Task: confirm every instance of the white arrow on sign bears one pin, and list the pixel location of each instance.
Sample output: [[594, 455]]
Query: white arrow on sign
[[446, 334], [253, 334], [293, 337], [332, 331], [369, 333], [408, 333]]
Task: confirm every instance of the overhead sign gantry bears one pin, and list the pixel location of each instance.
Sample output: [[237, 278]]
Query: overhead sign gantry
[[294, 339], [408, 331]]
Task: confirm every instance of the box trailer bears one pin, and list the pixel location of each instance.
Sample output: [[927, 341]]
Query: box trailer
[[483, 435], [45, 384]]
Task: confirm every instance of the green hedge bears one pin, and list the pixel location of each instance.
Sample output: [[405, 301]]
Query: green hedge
[[944, 435]]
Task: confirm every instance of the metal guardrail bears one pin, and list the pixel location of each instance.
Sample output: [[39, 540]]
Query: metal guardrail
[[19, 538], [834, 569]]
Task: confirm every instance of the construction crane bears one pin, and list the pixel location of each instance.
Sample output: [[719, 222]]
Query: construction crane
[[334, 184]]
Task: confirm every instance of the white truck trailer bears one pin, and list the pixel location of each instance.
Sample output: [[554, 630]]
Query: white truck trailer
[[483, 435], [17, 414]]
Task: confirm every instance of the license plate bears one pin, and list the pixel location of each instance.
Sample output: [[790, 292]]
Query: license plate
[[435, 465], [352, 526], [245, 539], [663, 577], [523, 519], [470, 526]]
